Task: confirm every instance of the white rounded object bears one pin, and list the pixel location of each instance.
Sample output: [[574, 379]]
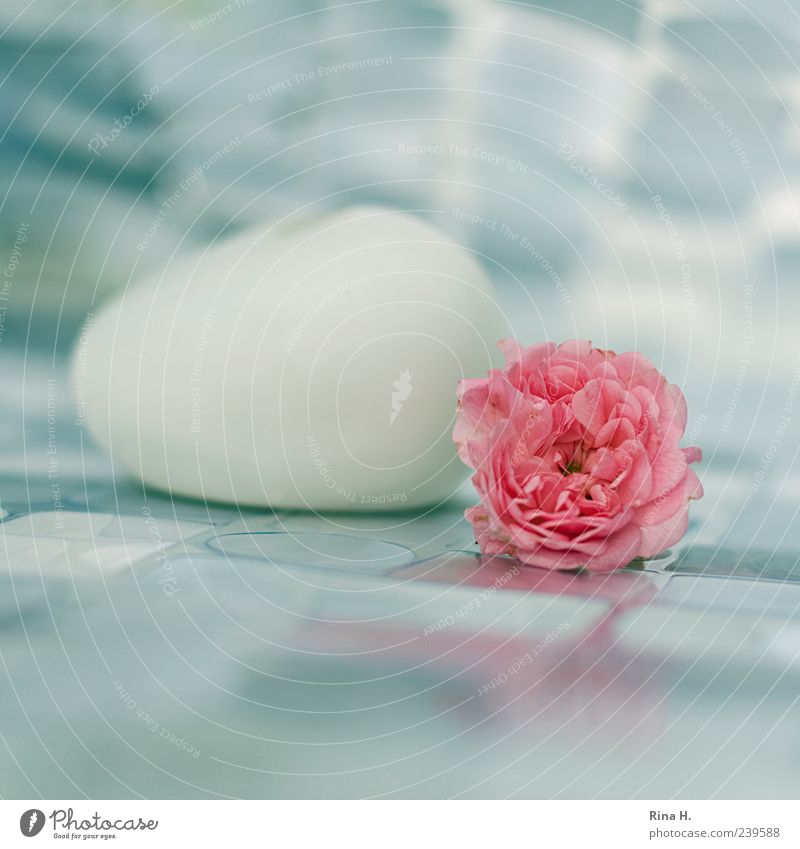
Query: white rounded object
[[309, 365]]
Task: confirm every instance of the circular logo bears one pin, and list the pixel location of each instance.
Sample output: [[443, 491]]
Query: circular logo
[[31, 822]]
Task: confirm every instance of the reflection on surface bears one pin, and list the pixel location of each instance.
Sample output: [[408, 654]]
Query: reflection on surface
[[457, 675], [321, 550], [740, 563]]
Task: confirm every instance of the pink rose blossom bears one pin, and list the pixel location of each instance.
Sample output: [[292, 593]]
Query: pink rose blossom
[[576, 456]]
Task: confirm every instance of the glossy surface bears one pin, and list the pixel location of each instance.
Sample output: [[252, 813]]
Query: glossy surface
[[168, 648]]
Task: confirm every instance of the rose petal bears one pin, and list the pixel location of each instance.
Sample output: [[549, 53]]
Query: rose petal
[[577, 457]]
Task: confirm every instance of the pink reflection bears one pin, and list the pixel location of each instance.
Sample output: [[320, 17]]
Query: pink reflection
[[582, 684], [623, 589]]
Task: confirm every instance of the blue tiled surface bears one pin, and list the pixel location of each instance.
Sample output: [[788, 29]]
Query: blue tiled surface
[[160, 647], [155, 647]]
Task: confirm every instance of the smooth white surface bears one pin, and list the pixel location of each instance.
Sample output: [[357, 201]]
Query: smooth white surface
[[310, 365]]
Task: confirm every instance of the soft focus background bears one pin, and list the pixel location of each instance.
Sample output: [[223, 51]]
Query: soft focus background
[[627, 172]]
